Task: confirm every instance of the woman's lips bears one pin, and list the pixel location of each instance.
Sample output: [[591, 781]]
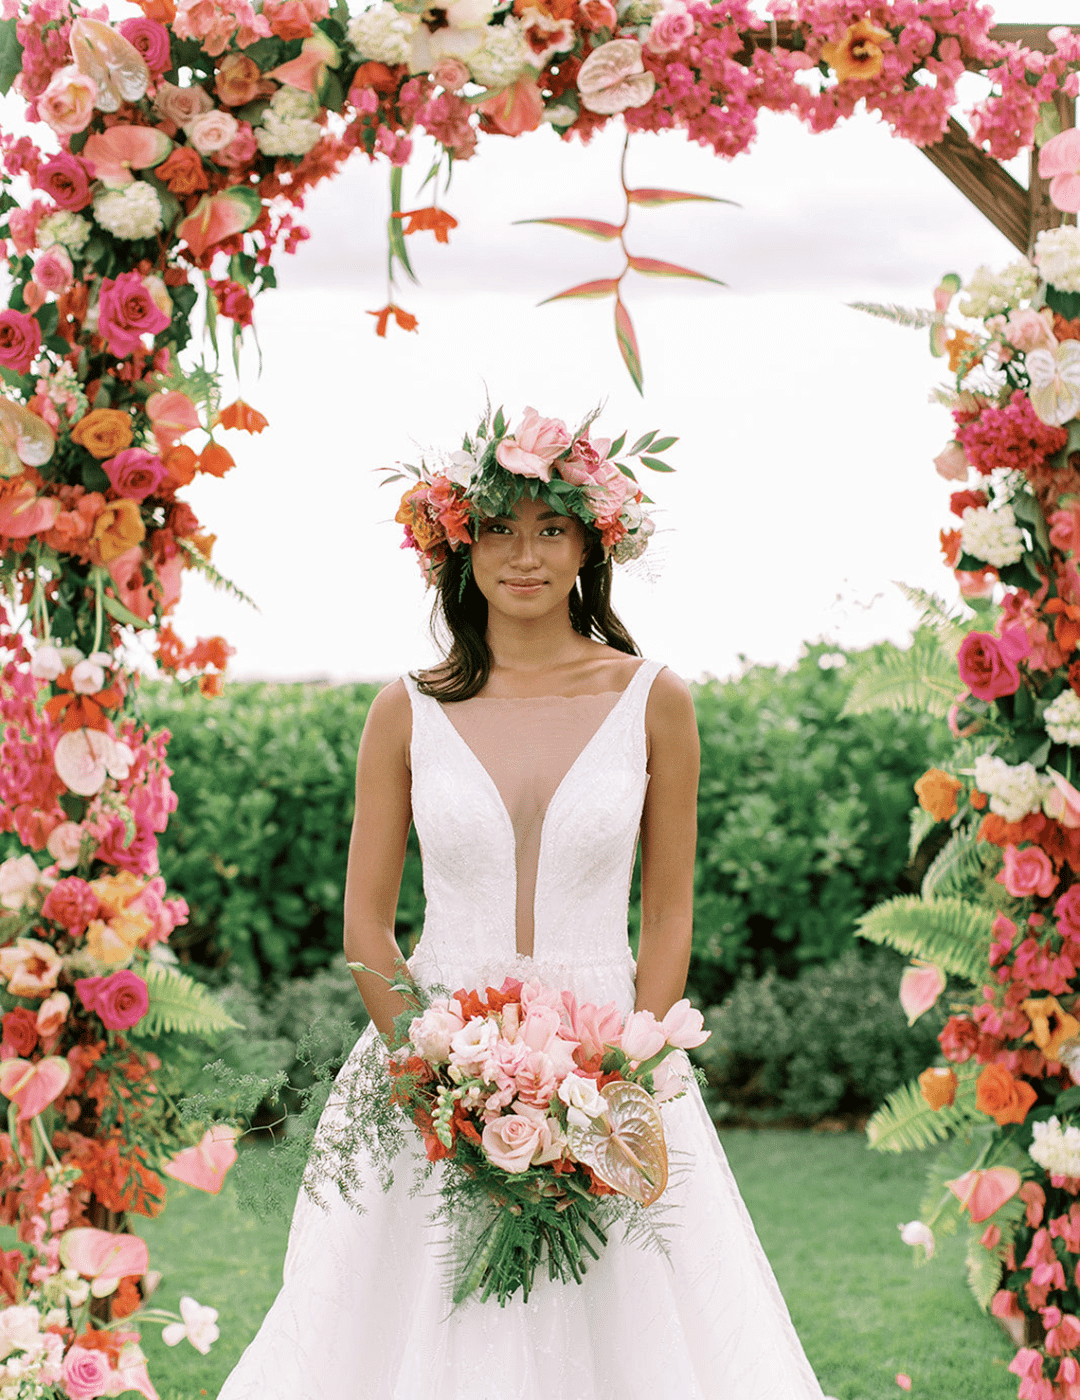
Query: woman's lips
[[524, 586]]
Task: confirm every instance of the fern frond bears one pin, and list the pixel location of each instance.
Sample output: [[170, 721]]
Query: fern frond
[[984, 1266], [905, 1122], [934, 614], [200, 384], [179, 1003], [203, 566], [961, 867], [914, 317], [953, 933], [922, 824], [921, 678]]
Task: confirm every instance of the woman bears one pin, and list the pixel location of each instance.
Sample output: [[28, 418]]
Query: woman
[[530, 760]]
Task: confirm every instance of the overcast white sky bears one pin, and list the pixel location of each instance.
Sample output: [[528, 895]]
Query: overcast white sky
[[804, 481]]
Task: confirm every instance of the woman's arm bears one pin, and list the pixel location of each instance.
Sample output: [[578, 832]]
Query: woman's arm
[[668, 845], [377, 849]]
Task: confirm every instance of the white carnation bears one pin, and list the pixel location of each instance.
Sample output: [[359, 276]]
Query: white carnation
[[1014, 791], [383, 34], [1057, 255], [281, 137], [500, 62], [131, 212], [989, 293], [992, 535], [1062, 718], [293, 104], [1056, 1149], [69, 230]]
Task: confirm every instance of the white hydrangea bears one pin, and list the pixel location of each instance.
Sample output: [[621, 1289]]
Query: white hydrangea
[[293, 104], [992, 535], [280, 136], [1013, 790], [504, 55], [69, 230], [1062, 718], [1057, 255], [131, 212], [383, 34], [989, 293], [1056, 1148]]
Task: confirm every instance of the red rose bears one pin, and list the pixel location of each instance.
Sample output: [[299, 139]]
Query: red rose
[[72, 904], [959, 1039], [960, 500], [20, 340], [987, 664], [20, 1033], [121, 999], [65, 179]]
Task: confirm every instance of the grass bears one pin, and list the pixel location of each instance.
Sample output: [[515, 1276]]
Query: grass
[[826, 1210]]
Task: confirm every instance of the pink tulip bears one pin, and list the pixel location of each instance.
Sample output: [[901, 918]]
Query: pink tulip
[[684, 1026], [981, 1193], [104, 1257], [595, 1026], [920, 987], [642, 1037], [204, 1165], [33, 1087], [1059, 162]]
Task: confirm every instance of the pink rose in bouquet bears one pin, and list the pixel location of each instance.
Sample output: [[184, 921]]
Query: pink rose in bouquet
[[135, 473], [1030, 330], [181, 104], [20, 340], [121, 999], [670, 29], [212, 131], [511, 1140], [86, 1373], [126, 312], [53, 270], [1028, 871], [988, 664], [535, 445], [433, 1032], [72, 904], [67, 104], [152, 41], [64, 178]]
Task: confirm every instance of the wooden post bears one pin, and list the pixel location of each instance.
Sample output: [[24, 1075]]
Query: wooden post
[[1042, 213]]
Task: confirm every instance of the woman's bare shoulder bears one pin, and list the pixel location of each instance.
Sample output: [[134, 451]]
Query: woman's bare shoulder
[[389, 717], [670, 708]]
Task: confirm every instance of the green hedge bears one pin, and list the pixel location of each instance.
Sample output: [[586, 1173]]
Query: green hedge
[[803, 820]]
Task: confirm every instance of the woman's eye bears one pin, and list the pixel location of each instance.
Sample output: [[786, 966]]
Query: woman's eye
[[554, 530]]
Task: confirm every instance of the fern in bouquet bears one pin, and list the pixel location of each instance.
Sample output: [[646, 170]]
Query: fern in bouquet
[[545, 1116]]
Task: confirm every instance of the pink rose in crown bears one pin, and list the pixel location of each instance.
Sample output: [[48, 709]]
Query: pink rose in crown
[[1059, 162], [64, 178], [535, 445], [670, 29], [205, 1165], [988, 664], [510, 1142], [135, 473], [121, 1000], [585, 462], [1028, 871], [127, 312]]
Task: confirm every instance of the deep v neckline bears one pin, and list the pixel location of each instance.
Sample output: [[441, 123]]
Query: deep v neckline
[[564, 782]]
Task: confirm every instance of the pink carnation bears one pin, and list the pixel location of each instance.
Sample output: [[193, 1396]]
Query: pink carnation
[[1012, 438], [72, 904]]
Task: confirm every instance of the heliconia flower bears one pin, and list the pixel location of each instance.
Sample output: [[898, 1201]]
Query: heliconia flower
[[103, 1257], [982, 1193], [33, 1086], [199, 1326], [920, 986], [204, 1166], [113, 154], [1059, 162], [115, 65]]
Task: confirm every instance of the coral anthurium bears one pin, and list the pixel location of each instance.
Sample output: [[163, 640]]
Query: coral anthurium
[[983, 1193]]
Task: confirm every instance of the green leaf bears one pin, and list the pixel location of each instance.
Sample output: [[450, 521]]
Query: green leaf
[[654, 199], [10, 54], [1049, 123], [617, 446], [934, 613], [602, 287], [125, 615], [591, 228], [656, 465], [397, 251], [628, 346], [905, 1122], [653, 267], [662, 444], [961, 867], [913, 317], [921, 678], [179, 1003], [642, 443], [951, 932], [922, 824]]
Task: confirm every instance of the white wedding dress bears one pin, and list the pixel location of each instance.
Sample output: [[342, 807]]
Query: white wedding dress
[[364, 1312]]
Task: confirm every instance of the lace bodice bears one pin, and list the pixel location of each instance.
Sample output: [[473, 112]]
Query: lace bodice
[[585, 858]]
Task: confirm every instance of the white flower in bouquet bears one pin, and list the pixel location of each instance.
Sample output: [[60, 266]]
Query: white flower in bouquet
[[989, 293], [1062, 718], [293, 104], [19, 1330], [471, 1047], [1055, 381], [582, 1098], [279, 136], [1013, 790], [18, 876], [992, 535], [69, 230], [432, 1032], [132, 212], [1057, 256], [918, 1235], [199, 1326], [383, 34], [504, 55], [1056, 1149]]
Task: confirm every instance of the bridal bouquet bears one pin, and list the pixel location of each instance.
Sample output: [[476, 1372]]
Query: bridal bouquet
[[545, 1111]]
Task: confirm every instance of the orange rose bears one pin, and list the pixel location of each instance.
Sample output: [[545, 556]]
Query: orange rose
[[938, 1086], [117, 529], [1004, 1098], [425, 531], [183, 172], [936, 792], [103, 432], [858, 54], [239, 79]]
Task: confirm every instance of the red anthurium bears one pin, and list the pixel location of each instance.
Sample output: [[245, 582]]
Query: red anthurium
[[24, 513], [204, 1165], [308, 71], [219, 216], [33, 1086]]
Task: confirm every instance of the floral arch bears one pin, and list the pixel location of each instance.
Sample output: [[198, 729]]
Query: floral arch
[[176, 149]]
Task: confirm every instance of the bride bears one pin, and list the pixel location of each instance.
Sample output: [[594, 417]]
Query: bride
[[531, 760]]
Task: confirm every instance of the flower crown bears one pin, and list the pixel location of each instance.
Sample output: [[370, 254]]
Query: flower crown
[[571, 472]]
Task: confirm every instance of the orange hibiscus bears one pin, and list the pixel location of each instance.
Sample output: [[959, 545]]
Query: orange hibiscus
[[859, 54]]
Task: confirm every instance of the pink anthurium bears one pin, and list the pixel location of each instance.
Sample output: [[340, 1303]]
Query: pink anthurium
[[1063, 804], [103, 1257], [32, 1086], [307, 72], [23, 512], [172, 415], [920, 986], [113, 154], [218, 216], [982, 1193], [115, 64], [204, 1165], [24, 438], [1059, 162]]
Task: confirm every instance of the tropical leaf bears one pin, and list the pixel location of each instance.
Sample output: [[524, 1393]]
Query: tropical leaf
[[922, 678], [653, 199], [123, 615], [913, 317], [906, 1123], [591, 228], [934, 614], [178, 1003], [962, 867], [10, 54], [953, 933], [922, 824], [396, 249], [653, 267], [203, 566], [628, 346], [602, 287]]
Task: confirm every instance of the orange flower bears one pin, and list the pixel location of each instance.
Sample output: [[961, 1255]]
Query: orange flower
[[403, 318], [421, 220], [1004, 1098], [103, 432], [1051, 1025], [241, 415], [164, 11], [938, 1086], [211, 686], [215, 460], [859, 53], [183, 171], [957, 345], [117, 529], [425, 531], [181, 463], [950, 545], [936, 792], [376, 76], [978, 799], [239, 80], [1066, 624]]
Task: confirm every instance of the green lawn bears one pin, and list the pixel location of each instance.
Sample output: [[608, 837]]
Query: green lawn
[[826, 1210]]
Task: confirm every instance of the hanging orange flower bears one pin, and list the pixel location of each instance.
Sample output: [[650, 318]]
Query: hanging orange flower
[[404, 320], [181, 463], [859, 54], [215, 460], [438, 221], [950, 545], [241, 415]]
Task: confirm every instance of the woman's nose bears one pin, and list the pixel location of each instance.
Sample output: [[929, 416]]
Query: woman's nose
[[523, 550]]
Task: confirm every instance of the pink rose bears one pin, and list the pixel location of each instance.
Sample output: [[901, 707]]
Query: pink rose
[[450, 74], [121, 999], [1030, 330], [212, 131], [608, 491], [86, 1373], [613, 78], [951, 463], [127, 312], [534, 446], [510, 1141], [180, 105], [135, 473], [20, 340], [536, 1079], [598, 14], [72, 904], [152, 41], [1067, 913], [1027, 872], [64, 178], [988, 664], [23, 226], [670, 29], [684, 1026], [64, 843], [642, 1037], [585, 461], [53, 270], [241, 149], [67, 104], [433, 1031]]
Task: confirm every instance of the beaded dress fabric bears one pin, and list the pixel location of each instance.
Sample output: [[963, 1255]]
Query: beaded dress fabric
[[364, 1312]]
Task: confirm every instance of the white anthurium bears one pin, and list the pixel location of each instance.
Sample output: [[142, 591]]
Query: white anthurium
[[199, 1326], [1055, 382], [427, 49], [918, 1235]]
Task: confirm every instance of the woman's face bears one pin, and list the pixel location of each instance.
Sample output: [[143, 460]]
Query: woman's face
[[527, 562]]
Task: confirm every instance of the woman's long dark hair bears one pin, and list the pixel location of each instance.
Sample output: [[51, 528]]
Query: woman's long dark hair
[[463, 610]]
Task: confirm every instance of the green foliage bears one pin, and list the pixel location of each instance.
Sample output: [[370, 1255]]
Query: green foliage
[[922, 678], [951, 932], [177, 1003], [905, 1122], [964, 866]]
